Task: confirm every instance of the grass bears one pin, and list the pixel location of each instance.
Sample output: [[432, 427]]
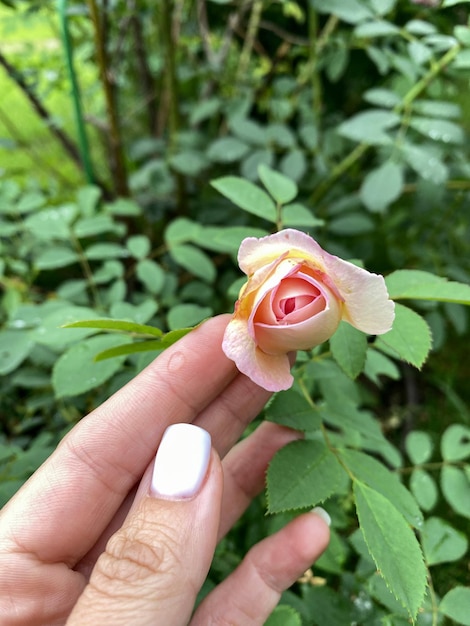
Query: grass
[[28, 150]]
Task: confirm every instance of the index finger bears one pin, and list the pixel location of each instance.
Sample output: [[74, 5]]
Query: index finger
[[64, 507]]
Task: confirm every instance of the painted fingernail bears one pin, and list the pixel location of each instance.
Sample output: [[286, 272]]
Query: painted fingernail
[[181, 461], [322, 513]]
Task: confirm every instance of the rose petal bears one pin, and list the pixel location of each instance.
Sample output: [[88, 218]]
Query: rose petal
[[366, 302], [255, 253], [301, 336], [267, 371]]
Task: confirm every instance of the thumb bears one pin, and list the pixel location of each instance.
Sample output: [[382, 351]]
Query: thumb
[[154, 566]]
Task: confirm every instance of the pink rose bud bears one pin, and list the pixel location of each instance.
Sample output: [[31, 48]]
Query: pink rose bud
[[295, 297]]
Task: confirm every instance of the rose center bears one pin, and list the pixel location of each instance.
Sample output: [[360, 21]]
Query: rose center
[[287, 305]]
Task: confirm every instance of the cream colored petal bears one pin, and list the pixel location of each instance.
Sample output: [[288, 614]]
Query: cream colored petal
[[267, 371], [255, 253], [366, 302]]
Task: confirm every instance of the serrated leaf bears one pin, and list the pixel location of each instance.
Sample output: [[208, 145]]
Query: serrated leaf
[[52, 332], [290, 408], [456, 605], [455, 443], [76, 371], [455, 485], [438, 129], [410, 336], [428, 167], [302, 474], [349, 346], [102, 251], [92, 226], [281, 188], [181, 230], [247, 196], [393, 546], [441, 542], [378, 364], [419, 285], [52, 223], [374, 474], [376, 28], [119, 325]]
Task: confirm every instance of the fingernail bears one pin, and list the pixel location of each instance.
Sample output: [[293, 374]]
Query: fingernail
[[181, 461], [322, 513]]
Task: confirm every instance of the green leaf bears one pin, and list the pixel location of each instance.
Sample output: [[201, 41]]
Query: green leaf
[[424, 489], [93, 226], [437, 108], [51, 331], [227, 150], [456, 605], [138, 346], [369, 126], [248, 131], [382, 97], [15, 346], [410, 336], [438, 130], [419, 285], [441, 542], [87, 199], [189, 163], [351, 224], [228, 239], [428, 167], [117, 325], [351, 11], [349, 346], [139, 246], [393, 546], [375, 475], [382, 186], [290, 408], [455, 485], [56, 257], [151, 275], [194, 261], [284, 616], [77, 372], [247, 196], [52, 223], [298, 215], [455, 443], [101, 251], [419, 447], [187, 315], [124, 208], [376, 28], [281, 188], [181, 230], [378, 364], [302, 474], [294, 164]]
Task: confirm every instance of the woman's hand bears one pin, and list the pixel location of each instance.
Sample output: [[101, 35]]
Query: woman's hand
[[93, 538]]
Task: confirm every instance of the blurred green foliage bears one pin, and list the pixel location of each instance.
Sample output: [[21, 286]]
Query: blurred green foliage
[[210, 121]]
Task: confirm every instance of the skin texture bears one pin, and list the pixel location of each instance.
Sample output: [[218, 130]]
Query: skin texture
[[84, 542]]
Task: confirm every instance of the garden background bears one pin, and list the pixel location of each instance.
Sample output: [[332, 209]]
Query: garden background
[[141, 141]]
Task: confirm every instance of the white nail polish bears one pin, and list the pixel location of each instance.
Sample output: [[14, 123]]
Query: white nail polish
[[181, 462], [322, 513]]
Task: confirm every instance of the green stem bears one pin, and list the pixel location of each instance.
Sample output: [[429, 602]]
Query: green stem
[[407, 100], [253, 26], [118, 166], [77, 103], [172, 87]]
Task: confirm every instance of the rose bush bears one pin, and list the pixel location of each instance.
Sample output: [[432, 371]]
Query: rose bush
[[295, 297]]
